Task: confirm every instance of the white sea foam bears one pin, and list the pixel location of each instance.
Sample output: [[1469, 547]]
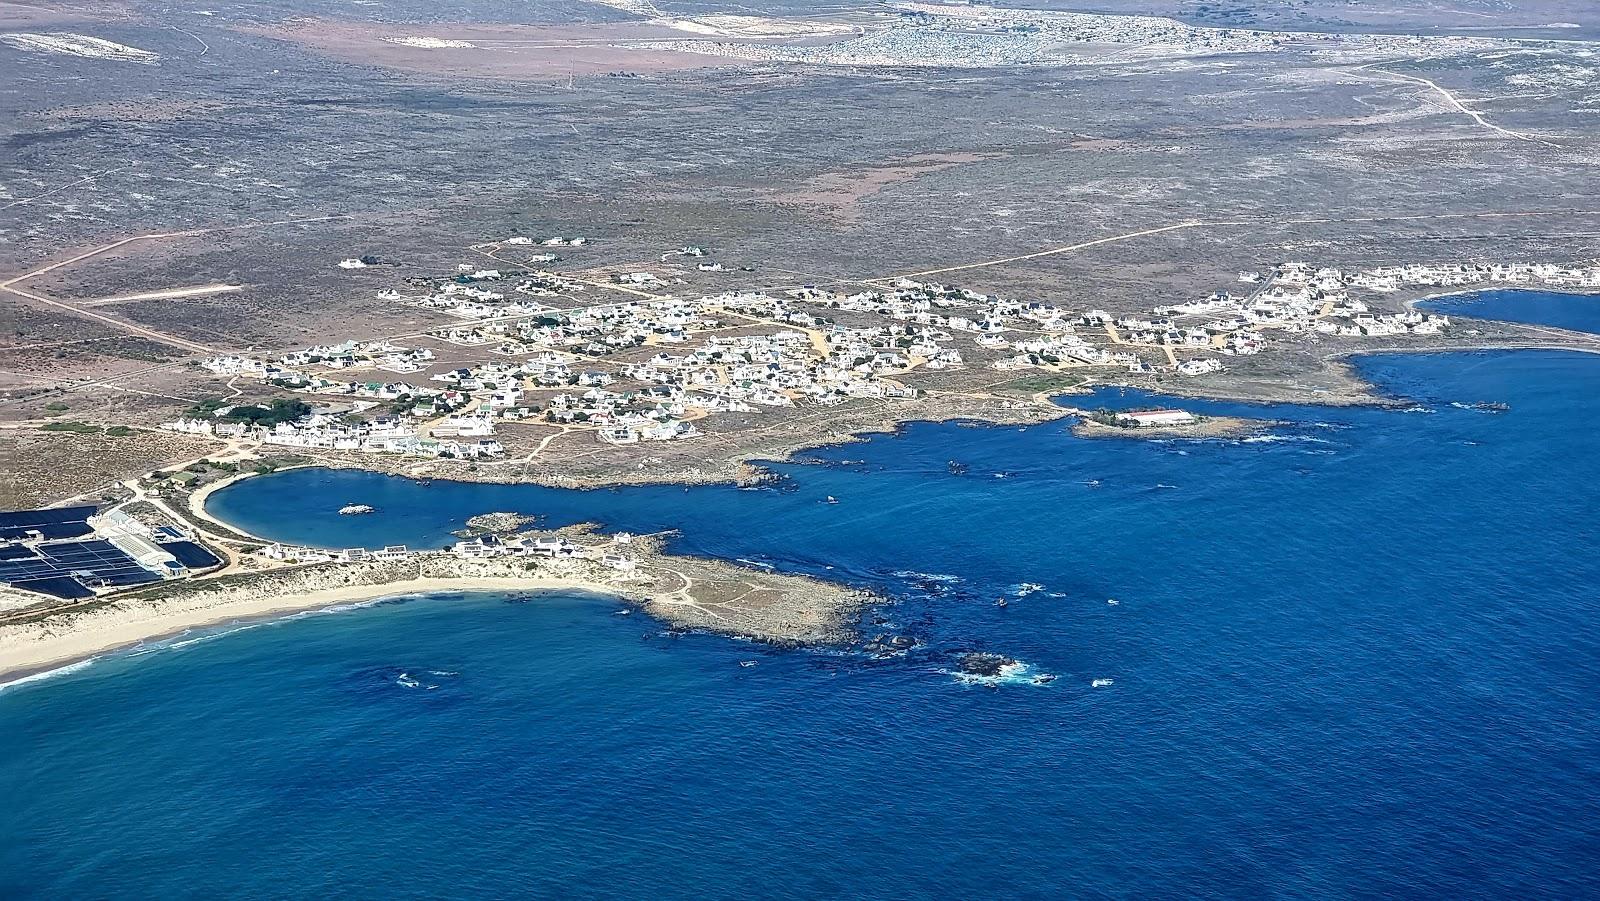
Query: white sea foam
[[1013, 673], [944, 578], [190, 637], [346, 608], [184, 640], [49, 674], [1284, 439]]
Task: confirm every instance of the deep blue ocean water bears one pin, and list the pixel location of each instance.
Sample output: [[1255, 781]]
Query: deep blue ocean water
[[1358, 658], [1578, 312]]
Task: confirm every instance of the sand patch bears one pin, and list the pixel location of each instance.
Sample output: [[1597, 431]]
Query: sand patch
[[504, 52], [431, 43], [77, 45], [636, 7], [757, 27]]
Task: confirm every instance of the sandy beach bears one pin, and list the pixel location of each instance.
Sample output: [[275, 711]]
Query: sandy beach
[[30, 648]]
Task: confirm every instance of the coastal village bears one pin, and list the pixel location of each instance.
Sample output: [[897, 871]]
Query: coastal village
[[524, 355], [531, 349]]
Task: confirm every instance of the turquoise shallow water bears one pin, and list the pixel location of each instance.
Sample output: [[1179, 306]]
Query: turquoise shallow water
[[1358, 658]]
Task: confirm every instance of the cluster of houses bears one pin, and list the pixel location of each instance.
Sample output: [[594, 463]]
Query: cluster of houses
[[648, 368], [1299, 298], [290, 553], [347, 355], [453, 438], [1293, 298], [1393, 278], [478, 548], [593, 331]]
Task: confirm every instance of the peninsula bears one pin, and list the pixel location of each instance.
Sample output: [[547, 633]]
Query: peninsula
[[684, 592]]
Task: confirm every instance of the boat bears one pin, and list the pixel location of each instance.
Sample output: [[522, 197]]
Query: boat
[[1100, 683], [748, 662], [999, 602], [1112, 601], [831, 500], [355, 509]]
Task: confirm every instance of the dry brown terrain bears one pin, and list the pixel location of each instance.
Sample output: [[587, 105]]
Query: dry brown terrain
[[22, 16], [39, 468]]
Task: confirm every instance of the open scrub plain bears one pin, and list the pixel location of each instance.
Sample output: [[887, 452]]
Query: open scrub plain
[[892, 186]]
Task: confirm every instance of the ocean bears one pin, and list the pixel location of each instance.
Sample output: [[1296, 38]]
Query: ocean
[[1359, 656], [1577, 312]]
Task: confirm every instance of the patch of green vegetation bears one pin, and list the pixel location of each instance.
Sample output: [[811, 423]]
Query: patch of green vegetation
[[69, 425], [271, 464], [118, 431], [1044, 381], [55, 408], [1107, 417], [281, 409]]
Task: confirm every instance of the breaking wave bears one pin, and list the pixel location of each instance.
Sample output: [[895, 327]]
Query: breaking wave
[[49, 674]]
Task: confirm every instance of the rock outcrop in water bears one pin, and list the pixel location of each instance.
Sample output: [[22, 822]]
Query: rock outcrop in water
[[986, 665], [493, 524]]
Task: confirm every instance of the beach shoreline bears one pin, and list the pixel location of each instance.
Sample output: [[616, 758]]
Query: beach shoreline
[[26, 657], [685, 592]]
